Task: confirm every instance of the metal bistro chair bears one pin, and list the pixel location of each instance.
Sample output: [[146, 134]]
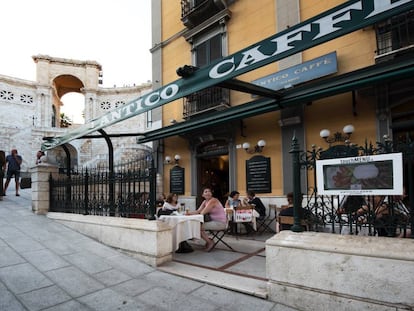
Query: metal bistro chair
[[263, 225], [218, 235]]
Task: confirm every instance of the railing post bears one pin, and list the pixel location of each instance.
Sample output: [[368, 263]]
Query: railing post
[[295, 151], [153, 189], [86, 202]]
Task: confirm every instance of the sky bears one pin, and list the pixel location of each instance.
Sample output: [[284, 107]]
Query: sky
[[116, 34]]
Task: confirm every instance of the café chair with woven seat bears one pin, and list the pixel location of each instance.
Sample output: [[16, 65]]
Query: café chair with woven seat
[[290, 220]]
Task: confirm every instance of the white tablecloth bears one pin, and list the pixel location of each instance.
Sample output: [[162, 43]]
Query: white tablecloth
[[184, 227]]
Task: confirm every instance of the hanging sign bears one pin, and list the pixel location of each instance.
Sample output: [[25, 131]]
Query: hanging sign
[[307, 71]]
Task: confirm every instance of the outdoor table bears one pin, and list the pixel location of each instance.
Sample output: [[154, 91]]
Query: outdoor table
[[184, 227]]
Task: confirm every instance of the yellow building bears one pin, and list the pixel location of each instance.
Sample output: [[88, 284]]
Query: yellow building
[[364, 85]]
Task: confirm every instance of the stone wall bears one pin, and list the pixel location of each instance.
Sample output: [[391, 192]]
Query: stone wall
[[149, 241], [320, 271]]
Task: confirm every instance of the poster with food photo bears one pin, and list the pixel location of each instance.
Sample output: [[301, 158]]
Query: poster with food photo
[[367, 175]]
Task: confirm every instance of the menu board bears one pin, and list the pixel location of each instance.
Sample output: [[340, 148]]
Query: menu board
[[258, 174], [177, 180], [366, 175]]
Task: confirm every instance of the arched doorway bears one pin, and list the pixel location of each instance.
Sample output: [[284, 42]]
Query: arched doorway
[[66, 86]]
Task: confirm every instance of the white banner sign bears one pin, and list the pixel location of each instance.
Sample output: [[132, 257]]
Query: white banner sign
[[367, 175]]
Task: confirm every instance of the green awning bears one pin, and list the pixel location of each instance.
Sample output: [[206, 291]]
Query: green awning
[[379, 73]]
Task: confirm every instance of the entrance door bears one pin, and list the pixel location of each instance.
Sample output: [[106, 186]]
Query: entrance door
[[214, 172], [213, 168]]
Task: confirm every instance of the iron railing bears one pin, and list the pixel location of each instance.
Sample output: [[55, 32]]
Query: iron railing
[[126, 192], [207, 100], [195, 12], [395, 33]]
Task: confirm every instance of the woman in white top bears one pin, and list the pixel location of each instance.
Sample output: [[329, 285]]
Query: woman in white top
[[171, 203]]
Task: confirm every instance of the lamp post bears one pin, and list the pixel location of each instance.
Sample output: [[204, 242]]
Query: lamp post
[[295, 151]]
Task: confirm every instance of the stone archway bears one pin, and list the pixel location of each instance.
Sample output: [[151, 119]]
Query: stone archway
[[69, 75], [63, 85]]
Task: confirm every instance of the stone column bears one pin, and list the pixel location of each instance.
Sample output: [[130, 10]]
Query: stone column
[[90, 103], [40, 186]]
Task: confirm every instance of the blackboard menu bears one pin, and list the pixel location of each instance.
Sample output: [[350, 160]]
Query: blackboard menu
[[177, 180], [258, 174]]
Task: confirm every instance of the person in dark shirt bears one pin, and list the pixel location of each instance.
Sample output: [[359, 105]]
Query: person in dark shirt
[[304, 213], [2, 166], [258, 204], [13, 169]]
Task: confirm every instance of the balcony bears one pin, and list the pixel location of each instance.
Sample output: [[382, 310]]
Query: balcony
[[195, 12], [205, 101], [395, 37]]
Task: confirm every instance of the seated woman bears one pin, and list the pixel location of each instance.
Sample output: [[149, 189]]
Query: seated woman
[[170, 205], [171, 202], [233, 201], [211, 206]]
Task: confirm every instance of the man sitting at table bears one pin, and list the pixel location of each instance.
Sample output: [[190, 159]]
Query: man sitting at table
[[215, 209], [303, 212], [258, 204]]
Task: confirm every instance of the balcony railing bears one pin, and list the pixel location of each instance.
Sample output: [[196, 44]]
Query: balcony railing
[[395, 35], [208, 100], [194, 12]]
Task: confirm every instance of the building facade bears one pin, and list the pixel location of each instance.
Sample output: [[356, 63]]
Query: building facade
[[199, 33], [30, 111]]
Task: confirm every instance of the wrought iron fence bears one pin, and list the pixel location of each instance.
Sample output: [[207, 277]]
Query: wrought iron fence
[[334, 214], [127, 191]]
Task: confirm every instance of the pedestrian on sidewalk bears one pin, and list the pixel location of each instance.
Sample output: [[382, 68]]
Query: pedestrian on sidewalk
[[2, 167], [13, 161], [39, 156]]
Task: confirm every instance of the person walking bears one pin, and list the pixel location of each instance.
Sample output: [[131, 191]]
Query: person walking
[[2, 166], [13, 161]]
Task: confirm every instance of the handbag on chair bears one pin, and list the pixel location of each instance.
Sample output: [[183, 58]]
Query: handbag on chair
[[207, 218]]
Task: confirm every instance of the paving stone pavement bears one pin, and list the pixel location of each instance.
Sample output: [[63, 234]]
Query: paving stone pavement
[[47, 266]]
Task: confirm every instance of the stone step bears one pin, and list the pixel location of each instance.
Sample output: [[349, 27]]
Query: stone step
[[245, 285]]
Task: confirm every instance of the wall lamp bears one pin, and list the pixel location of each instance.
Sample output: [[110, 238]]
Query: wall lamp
[[168, 159], [186, 71], [256, 149], [338, 136]]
